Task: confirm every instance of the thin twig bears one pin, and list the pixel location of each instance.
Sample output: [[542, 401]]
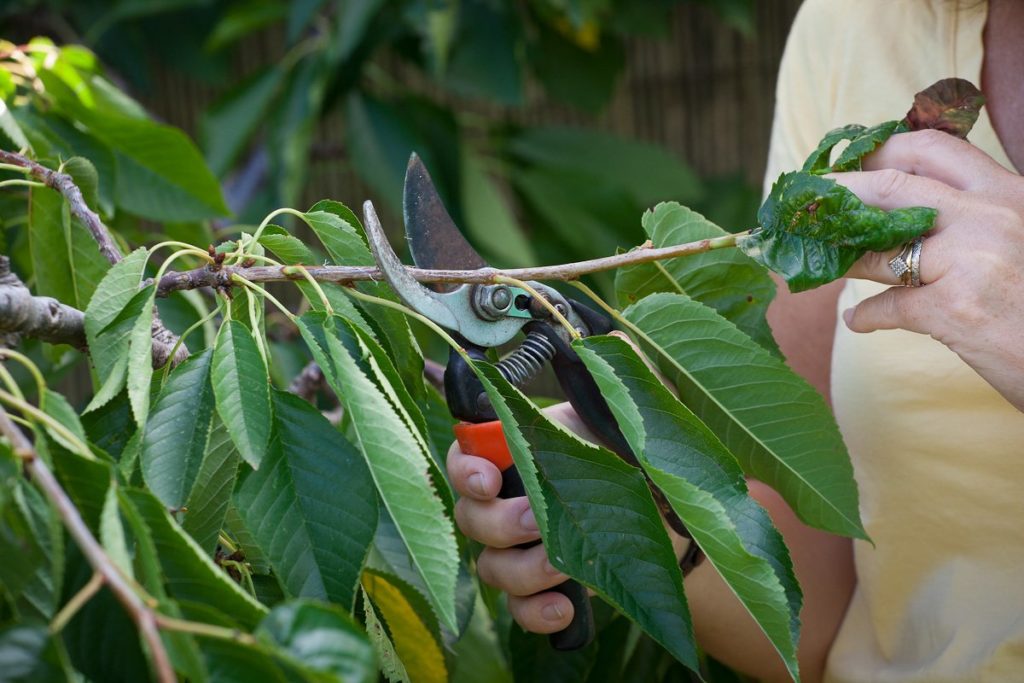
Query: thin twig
[[220, 277], [76, 603], [144, 617], [65, 185]]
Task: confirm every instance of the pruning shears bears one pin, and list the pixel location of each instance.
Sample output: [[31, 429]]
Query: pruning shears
[[483, 316]]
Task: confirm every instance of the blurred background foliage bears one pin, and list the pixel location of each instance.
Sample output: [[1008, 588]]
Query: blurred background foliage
[[521, 110]]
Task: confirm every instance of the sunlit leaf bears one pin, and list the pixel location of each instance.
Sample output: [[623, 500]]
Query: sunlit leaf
[[776, 425], [414, 644], [705, 486], [241, 388]]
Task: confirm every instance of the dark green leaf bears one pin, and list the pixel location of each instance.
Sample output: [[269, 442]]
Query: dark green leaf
[[311, 506], [581, 74], [813, 229], [243, 19], [208, 502], [400, 467], [951, 105], [299, 16], [597, 517], [725, 279], [242, 389], [705, 486], [351, 24], [66, 263], [484, 57], [176, 433], [322, 639], [776, 425], [110, 427], [25, 556], [231, 121], [190, 575], [28, 655]]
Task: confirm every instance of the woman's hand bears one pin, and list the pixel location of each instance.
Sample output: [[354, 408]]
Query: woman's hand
[[971, 263], [501, 524]]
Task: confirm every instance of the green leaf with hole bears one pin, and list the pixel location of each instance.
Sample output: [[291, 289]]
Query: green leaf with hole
[[724, 279], [399, 464], [241, 387], [705, 486], [176, 433], [776, 424], [311, 506], [811, 229], [597, 518]]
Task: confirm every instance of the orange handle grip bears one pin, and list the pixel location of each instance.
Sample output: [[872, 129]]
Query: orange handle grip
[[486, 440]]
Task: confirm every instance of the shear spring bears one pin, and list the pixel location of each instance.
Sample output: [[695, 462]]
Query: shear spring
[[523, 364]]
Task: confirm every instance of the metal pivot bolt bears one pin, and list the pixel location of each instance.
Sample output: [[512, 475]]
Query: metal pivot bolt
[[492, 302]]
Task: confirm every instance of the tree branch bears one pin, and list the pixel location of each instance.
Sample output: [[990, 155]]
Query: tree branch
[[144, 617], [220, 276], [41, 317], [65, 185]]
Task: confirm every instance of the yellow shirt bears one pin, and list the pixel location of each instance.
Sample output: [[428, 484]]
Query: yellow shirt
[[938, 454]]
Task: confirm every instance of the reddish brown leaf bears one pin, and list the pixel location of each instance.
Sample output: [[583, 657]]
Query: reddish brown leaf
[[950, 105]]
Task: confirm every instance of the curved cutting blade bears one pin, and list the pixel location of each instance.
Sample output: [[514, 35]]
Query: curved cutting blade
[[434, 240]]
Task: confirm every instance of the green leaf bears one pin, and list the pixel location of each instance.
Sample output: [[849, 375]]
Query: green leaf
[[8, 124], [25, 557], [112, 535], [705, 486], [489, 221], [241, 20], [140, 358], [29, 654], [86, 481], [190, 575], [57, 407], [724, 279], [66, 262], [865, 143], [230, 122], [242, 389], [351, 27], [208, 501], [818, 160], [311, 506], [484, 59], [584, 76], [776, 425], [291, 251], [114, 292], [176, 434], [340, 232], [597, 518], [321, 639], [391, 667], [400, 468], [812, 230], [161, 175], [951, 105]]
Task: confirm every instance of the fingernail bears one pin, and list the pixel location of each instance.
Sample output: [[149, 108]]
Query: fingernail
[[528, 521], [551, 612], [477, 484], [848, 316]]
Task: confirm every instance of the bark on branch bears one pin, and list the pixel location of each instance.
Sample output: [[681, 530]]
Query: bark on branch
[[45, 318], [65, 185], [220, 276], [144, 617]]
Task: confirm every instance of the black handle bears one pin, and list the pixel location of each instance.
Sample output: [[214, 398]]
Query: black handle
[[580, 630]]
